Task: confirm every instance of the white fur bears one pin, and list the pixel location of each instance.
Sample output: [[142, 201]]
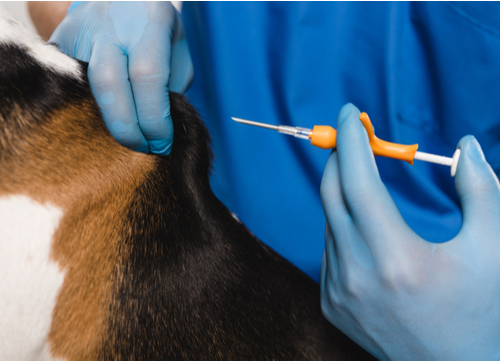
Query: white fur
[[11, 32], [29, 279]]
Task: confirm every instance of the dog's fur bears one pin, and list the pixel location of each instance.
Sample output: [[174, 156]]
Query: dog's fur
[[155, 266]]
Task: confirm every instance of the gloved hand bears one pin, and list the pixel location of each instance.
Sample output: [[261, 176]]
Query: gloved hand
[[136, 52], [397, 295]]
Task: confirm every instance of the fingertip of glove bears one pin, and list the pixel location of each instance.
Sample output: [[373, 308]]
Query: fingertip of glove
[[160, 147], [347, 111], [473, 170], [464, 141], [471, 148]]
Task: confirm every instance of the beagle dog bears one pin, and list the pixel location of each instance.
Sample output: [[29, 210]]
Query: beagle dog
[[109, 254]]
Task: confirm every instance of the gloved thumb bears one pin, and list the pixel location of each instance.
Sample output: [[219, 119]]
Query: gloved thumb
[[477, 185]]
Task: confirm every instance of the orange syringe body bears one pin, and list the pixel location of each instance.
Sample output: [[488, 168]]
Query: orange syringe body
[[325, 137]]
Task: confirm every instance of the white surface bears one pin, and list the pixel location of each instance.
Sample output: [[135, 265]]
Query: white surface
[[48, 56], [19, 11], [29, 280]]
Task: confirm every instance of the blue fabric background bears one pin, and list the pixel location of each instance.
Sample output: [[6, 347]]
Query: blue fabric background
[[426, 73]]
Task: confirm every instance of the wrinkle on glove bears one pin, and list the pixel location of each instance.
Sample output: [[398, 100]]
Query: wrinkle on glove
[[397, 295], [137, 52]]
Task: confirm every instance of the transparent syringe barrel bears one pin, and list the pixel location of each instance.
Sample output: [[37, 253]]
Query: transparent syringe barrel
[[297, 132]]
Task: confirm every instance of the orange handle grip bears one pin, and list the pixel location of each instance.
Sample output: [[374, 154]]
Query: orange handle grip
[[387, 149], [325, 137]]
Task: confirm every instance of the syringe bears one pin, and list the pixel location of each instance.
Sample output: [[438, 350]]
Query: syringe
[[325, 137]]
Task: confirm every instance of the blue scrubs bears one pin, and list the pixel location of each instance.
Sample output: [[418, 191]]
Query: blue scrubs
[[426, 73]]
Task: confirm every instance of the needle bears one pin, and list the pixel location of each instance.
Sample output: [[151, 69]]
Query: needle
[[256, 124], [326, 137]]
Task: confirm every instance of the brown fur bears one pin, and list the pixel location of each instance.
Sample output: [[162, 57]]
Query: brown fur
[[93, 186]]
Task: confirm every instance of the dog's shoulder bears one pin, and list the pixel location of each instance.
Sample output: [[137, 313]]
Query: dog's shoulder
[[148, 263]]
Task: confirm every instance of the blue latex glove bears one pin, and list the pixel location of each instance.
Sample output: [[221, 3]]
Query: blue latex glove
[[136, 52], [397, 295]]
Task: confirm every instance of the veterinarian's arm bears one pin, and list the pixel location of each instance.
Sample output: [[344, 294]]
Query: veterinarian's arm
[[47, 15], [136, 52], [397, 295]]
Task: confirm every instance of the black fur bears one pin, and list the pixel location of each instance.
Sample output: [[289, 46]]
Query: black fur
[[25, 83], [199, 285]]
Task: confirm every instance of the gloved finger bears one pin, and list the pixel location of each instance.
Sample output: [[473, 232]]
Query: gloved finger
[[373, 211], [66, 43], [335, 213], [108, 77], [149, 69], [329, 284], [343, 243], [338, 284], [181, 65], [333, 279], [323, 273], [149, 78], [332, 198], [478, 188], [330, 261]]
